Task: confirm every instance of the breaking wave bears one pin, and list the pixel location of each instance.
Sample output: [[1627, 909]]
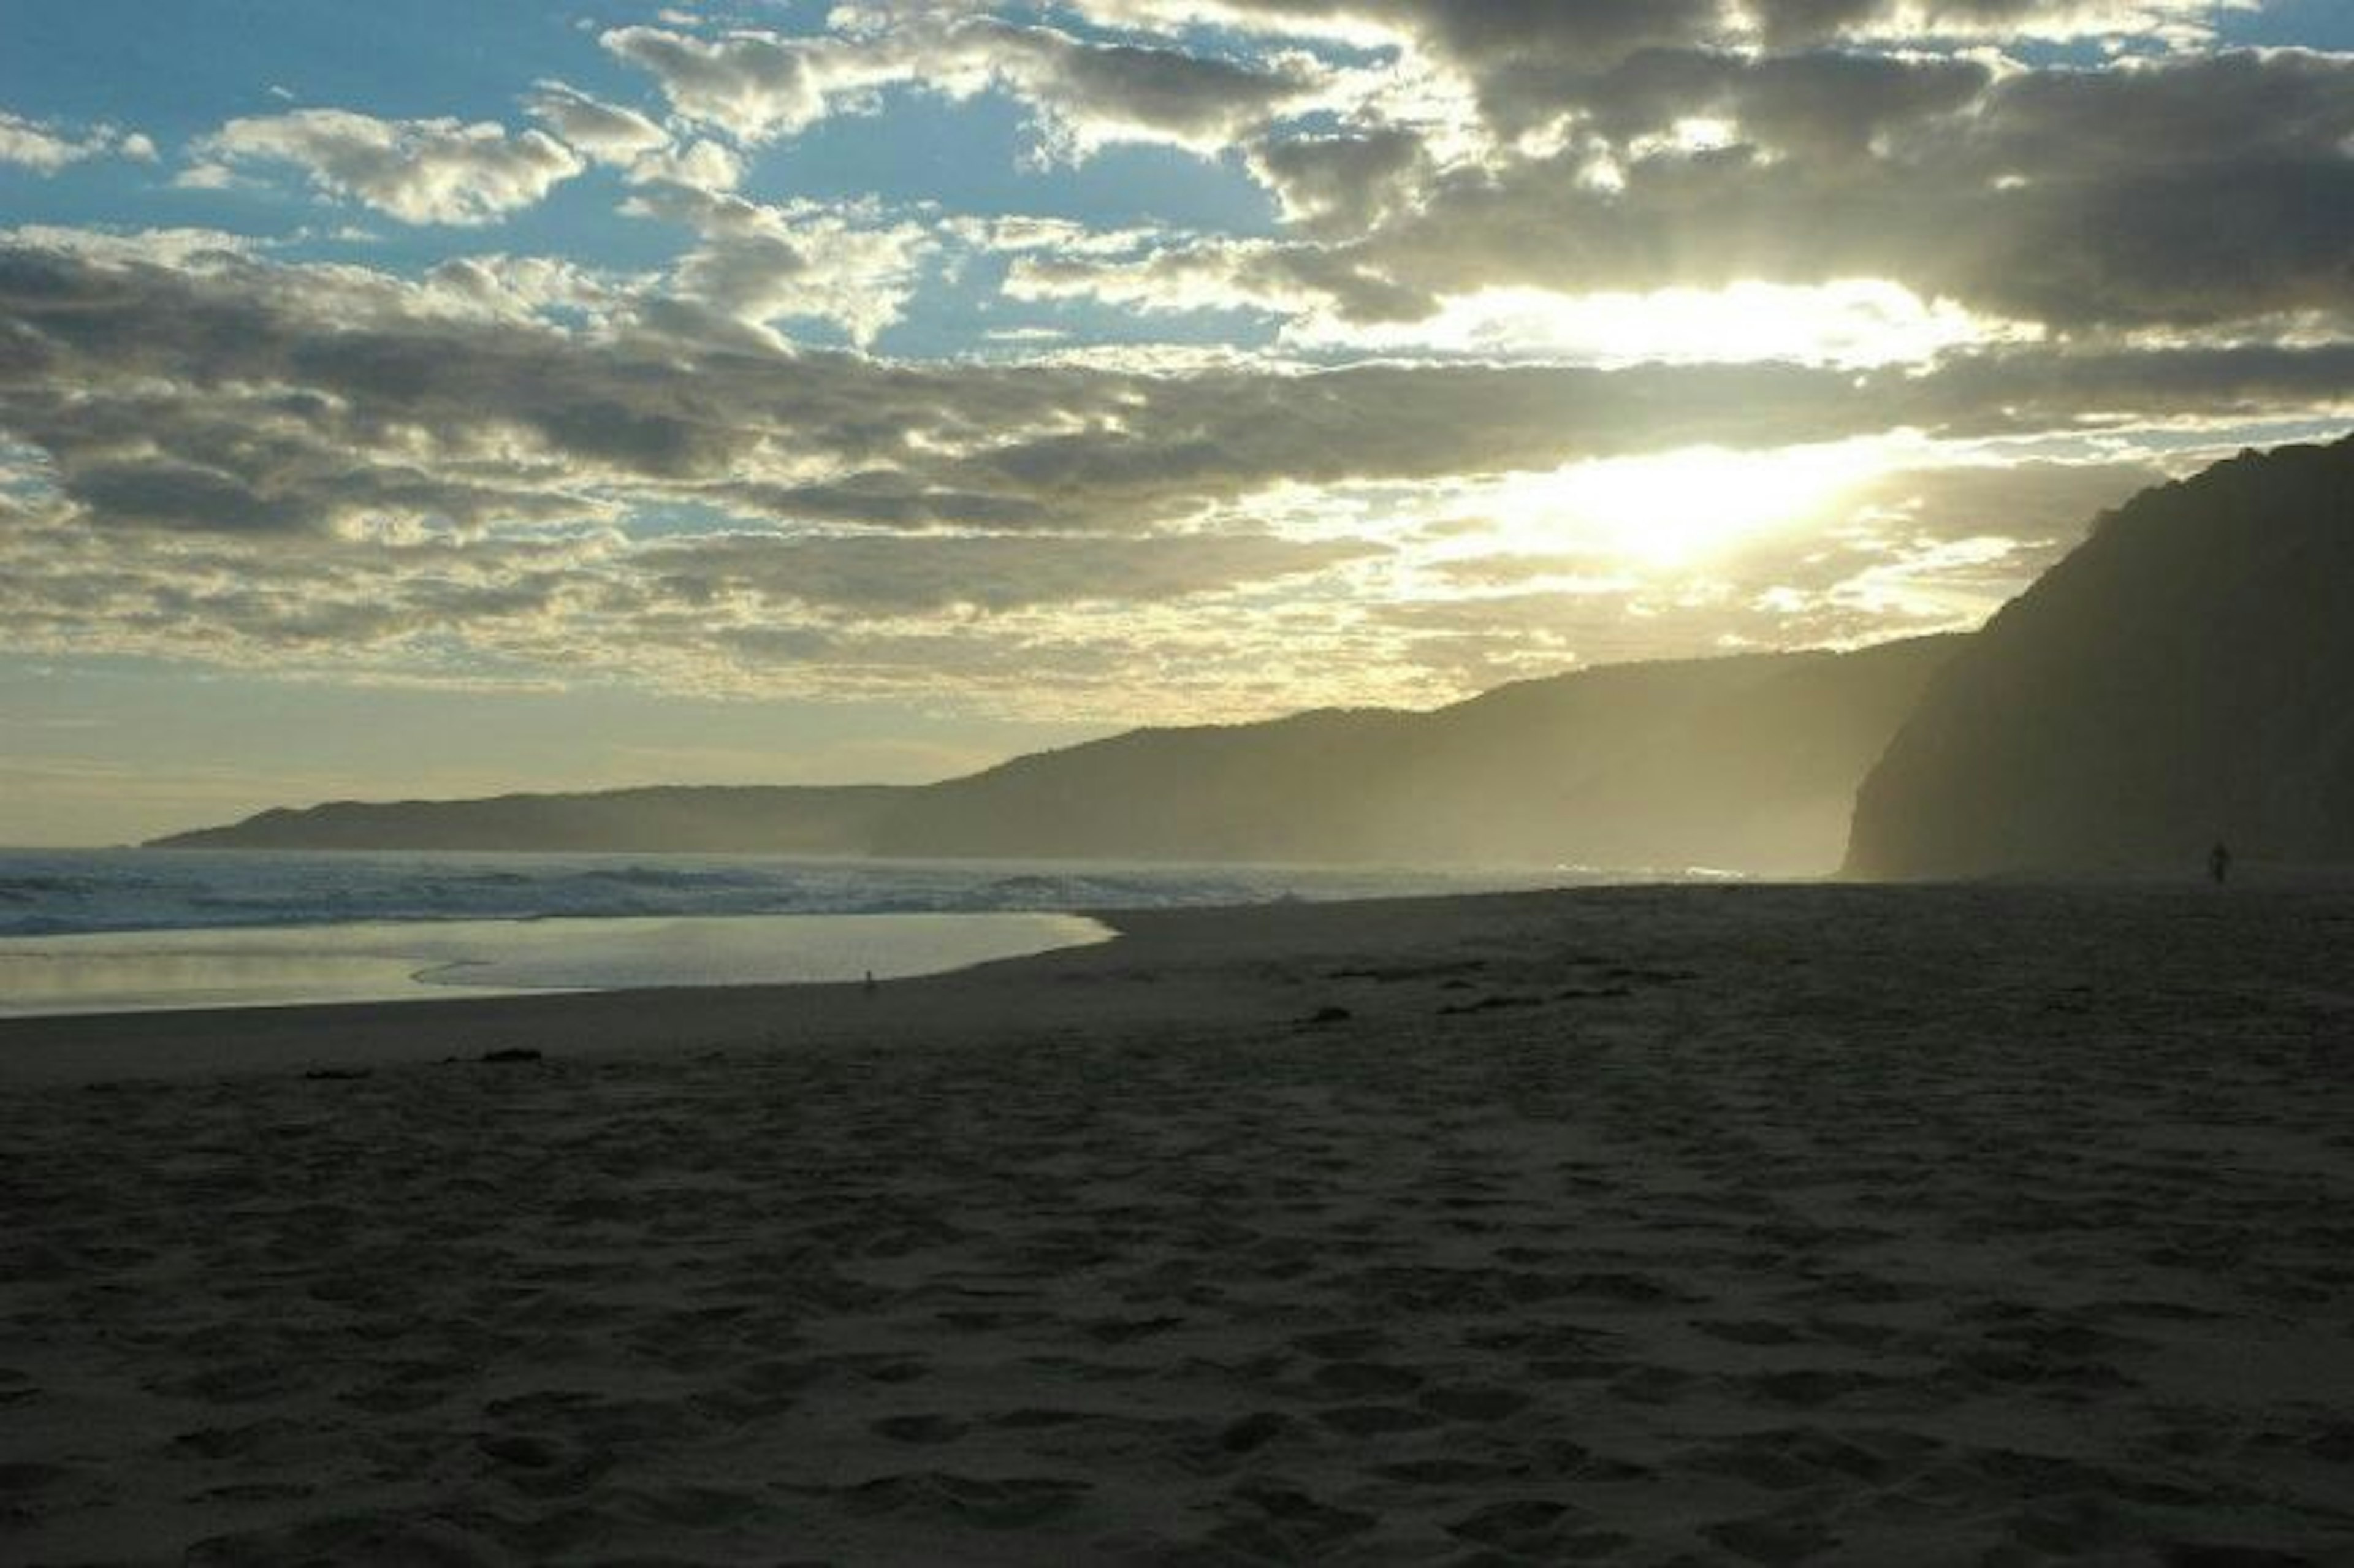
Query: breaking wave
[[50, 893]]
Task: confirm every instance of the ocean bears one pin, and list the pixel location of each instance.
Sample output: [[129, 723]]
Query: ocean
[[110, 930]]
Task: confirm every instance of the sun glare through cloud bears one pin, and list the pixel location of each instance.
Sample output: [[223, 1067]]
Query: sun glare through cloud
[[1854, 321], [1681, 509]]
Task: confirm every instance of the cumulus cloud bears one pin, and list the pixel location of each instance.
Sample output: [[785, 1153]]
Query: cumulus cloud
[[236, 460], [605, 131], [1601, 30], [756, 85], [1633, 145], [419, 171], [759, 85], [1097, 93], [899, 573], [1287, 279], [241, 367], [756, 264], [622, 138], [1822, 105], [524, 288], [164, 247], [1344, 183], [45, 146], [2190, 191]]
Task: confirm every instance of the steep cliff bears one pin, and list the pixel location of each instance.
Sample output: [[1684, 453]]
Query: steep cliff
[[2184, 675]]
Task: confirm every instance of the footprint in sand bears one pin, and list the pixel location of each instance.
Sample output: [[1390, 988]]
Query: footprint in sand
[[1342, 1344], [1762, 1463], [1125, 1330], [1521, 1525], [1807, 1388], [27, 1477], [258, 1492], [1375, 1420], [1008, 1503], [356, 1538], [1757, 1332], [1469, 1402], [520, 1449], [1454, 1475], [1031, 1418], [241, 1383], [888, 1369], [1365, 1379], [1253, 1432], [1285, 1525], [1773, 1538], [921, 1428]]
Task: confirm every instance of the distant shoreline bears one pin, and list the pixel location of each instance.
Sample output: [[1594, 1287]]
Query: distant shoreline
[[231, 968], [1173, 967]]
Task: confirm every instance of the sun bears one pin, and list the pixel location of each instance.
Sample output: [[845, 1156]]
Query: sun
[[1679, 509]]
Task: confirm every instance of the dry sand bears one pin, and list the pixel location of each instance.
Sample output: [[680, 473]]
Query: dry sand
[[1970, 1225]]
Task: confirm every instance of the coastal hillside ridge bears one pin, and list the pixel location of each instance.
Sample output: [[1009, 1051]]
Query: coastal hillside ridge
[[672, 818], [2177, 680], [1746, 762]]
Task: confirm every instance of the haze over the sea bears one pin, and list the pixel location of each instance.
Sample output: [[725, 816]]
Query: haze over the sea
[[441, 400]]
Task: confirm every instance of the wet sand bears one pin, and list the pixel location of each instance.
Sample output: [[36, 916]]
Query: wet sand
[[1865, 1225]]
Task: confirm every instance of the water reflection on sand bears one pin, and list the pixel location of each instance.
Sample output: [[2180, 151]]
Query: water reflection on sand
[[423, 960]]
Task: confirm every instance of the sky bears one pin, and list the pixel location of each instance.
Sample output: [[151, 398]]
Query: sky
[[430, 398]]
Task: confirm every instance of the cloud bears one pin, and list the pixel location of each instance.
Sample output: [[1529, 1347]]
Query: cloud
[[756, 85], [624, 139], [1622, 147], [1830, 106], [1916, 549], [1344, 183], [1783, 22], [45, 146], [762, 86], [176, 248], [271, 372], [173, 494], [1852, 321], [1599, 31], [419, 171], [524, 288], [1100, 93], [702, 166], [235, 461], [605, 131], [758, 264], [897, 575], [1306, 281], [2186, 192]]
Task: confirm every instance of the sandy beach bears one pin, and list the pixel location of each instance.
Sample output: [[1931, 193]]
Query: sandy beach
[[1984, 1225]]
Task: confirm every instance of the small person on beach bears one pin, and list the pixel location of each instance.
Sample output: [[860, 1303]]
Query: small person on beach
[[2219, 864], [870, 982]]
